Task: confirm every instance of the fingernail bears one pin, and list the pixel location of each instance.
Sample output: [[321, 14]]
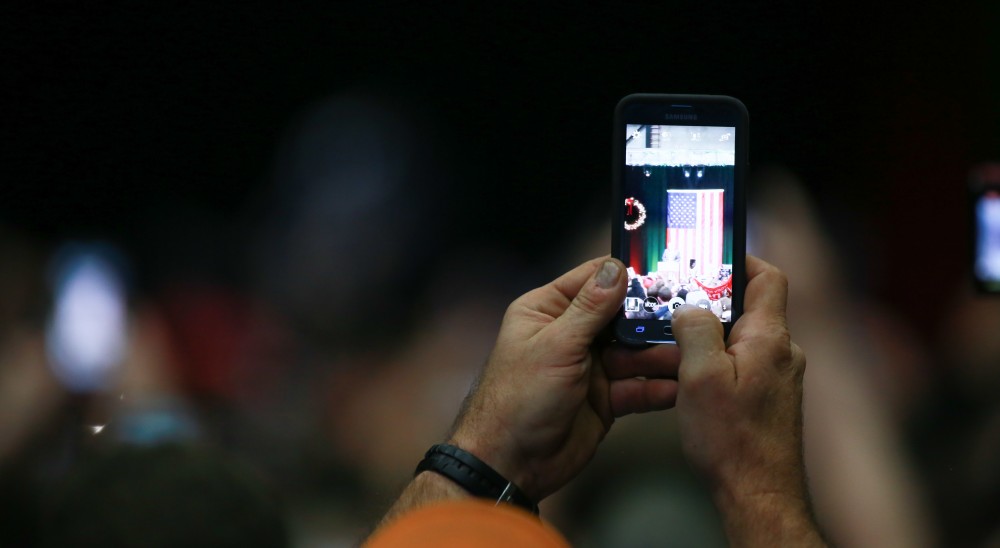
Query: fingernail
[[608, 274]]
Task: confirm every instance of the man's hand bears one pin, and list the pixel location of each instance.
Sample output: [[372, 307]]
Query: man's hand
[[545, 398], [740, 413]]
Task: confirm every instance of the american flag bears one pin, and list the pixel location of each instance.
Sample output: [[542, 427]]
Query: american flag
[[694, 230]]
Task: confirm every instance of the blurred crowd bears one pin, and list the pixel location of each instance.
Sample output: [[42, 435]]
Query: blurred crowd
[[297, 399]]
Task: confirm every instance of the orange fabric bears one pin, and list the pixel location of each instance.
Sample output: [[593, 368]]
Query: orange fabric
[[468, 522]]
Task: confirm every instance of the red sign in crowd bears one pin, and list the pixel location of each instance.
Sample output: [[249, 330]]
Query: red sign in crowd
[[717, 292]]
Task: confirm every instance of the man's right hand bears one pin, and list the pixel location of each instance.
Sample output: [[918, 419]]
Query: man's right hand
[[740, 414]]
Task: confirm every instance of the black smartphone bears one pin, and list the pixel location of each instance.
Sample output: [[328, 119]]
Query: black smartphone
[[984, 186], [679, 221]]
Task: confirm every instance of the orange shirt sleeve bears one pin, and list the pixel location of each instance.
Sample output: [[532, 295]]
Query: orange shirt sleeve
[[467, 522]]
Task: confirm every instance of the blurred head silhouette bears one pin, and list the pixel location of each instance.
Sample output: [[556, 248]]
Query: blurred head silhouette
[[350, 214], [165, 495]]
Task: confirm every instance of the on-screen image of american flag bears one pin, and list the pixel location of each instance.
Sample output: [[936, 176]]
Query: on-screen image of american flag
[[695, 229]]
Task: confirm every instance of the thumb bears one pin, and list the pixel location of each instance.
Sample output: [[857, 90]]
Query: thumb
[[700, 338], [595, 304]]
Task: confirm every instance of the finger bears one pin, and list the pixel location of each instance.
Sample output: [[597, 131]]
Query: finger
[[659, 361], [699, 336], [765, 302], [595, 300], [552, 299], [642, 395], [767, 288]]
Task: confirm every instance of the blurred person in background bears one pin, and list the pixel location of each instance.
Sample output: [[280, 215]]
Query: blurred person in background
[[310, 363], [96, 364], [30, 396], [389, 315], [956, 433], [163, 495], [28, 392], [866, 373], [323, 374]]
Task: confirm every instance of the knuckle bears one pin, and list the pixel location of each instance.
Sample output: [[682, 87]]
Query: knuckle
[[520, 303], [774, 344], [781, 342], [586, 303], [709, 384], [774, 276], [514, 309], [798, 358]]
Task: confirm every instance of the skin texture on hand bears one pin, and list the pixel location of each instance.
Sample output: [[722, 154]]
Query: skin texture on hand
[[744, 399], [548, 394], [546, 398], [740, 414]]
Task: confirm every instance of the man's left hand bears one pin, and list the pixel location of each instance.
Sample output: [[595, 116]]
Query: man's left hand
[[548, 395]]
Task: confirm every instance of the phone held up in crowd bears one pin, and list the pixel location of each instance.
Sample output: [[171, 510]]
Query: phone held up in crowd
[[679, 217]]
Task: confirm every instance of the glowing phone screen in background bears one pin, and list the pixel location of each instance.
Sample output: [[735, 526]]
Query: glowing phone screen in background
[[87, 331], [987, 262]]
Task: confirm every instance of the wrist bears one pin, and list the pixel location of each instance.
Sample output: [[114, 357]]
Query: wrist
[[501, 456], [767, 518], [426, 488], [475, 476], [436, 487]]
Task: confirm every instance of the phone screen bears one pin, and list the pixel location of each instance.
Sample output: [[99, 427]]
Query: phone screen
[[86, 336], [987, 241], [681, 229]]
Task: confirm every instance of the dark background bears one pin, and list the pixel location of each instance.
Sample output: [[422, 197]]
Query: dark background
[[116, 110], [158, 127]]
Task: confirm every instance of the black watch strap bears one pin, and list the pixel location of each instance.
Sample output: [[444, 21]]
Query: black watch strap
[[474, 475]]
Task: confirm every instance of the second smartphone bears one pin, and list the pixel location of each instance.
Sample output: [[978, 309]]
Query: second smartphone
[[679, 221]]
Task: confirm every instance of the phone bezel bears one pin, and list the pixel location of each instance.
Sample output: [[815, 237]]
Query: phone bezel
[[711, 110]]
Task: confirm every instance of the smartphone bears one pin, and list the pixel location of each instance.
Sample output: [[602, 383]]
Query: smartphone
[[984, 186], [679, 221], [87, 332]]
